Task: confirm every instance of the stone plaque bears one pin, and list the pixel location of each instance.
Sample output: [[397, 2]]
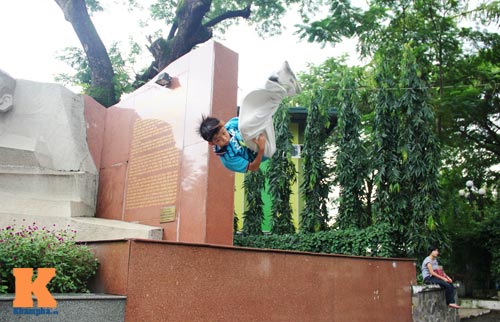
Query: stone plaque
[[167, 214]]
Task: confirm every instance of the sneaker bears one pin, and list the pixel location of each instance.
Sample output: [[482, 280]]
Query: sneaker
[[286, 78]]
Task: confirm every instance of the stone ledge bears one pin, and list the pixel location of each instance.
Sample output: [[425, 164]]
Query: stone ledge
[[424, 288], [70, 307], [88, 228], [480, 304], [72, 296]]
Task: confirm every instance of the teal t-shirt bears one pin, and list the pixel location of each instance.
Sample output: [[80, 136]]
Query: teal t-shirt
[[235, 156]]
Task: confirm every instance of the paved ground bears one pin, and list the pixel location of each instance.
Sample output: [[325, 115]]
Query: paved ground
[[479, 315]]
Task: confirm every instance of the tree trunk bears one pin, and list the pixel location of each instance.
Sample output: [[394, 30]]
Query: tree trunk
[[102, 86], [190, 31]]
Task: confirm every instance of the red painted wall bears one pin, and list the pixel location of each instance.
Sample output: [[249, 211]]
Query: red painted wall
[[178, 282]]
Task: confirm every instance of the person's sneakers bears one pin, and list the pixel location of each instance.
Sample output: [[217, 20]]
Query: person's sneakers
[[286, 78]]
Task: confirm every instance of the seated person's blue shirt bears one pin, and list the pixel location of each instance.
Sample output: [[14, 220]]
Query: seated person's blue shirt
[[235, 156]]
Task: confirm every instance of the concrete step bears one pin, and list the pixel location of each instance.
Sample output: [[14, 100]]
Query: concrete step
[[87, 228]]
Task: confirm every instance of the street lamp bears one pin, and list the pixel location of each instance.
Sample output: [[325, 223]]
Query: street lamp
[[471, 191]]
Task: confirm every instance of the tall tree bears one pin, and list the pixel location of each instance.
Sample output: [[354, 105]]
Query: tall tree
[[439, 48], [351, 159], [192, 22], [102, 74], [390, 202], [433, 28], [421, 157], [314, 187], [470, 109]]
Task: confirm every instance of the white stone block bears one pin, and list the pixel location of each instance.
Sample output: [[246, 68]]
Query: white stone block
[[46, 168]]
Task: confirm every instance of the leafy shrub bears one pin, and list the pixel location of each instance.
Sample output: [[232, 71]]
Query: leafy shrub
[[490, 231], [35, 247], [371, 241]]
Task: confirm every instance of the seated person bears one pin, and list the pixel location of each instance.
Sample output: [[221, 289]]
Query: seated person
[[430, 273]]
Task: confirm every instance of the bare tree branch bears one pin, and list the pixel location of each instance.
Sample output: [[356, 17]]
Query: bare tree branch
[[173, 29], [244, 13]]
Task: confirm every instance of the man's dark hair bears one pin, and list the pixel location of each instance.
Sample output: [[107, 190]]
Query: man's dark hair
[[209, 126]]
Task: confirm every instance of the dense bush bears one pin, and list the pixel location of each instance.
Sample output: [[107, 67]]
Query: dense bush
[[372, 241], [491, 231], [34, 247]]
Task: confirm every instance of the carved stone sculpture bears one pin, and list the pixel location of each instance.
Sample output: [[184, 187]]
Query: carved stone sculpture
[[7, 87]]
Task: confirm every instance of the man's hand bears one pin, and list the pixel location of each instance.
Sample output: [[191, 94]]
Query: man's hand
[[261, 143]]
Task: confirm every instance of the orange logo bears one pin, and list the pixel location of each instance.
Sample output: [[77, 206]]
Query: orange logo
[[25, 287]]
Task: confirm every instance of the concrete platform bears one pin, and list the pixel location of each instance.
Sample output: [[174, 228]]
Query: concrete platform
[[87, 228], [470, 313], [472, 308]]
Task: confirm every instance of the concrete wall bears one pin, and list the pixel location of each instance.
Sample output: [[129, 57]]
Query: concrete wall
[[166, 281], [429, 305]]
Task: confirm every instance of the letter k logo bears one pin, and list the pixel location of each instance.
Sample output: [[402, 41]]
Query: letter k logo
[[25, 287]]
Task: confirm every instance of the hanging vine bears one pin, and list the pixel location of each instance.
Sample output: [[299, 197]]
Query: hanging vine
[[254, 213], [282, 175], [351, 163], [315, 188]]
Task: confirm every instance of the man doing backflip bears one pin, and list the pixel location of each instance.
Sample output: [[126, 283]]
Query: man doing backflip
[[245, 141]]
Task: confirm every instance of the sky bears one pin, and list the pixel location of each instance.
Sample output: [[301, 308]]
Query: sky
[[35, 31]]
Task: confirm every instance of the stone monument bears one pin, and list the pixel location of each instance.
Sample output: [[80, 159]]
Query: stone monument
[[139, 167], [154, 168], [47, 174]]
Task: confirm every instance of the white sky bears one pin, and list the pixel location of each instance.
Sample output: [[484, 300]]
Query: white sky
[[33, 31]]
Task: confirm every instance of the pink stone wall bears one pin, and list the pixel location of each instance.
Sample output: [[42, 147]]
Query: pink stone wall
[[154, 167], [179, 282]]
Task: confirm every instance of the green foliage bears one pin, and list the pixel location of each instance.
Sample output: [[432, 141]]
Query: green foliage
[[371, 241], [190, 23], [352, 163], [432, 77], [254, 213], [490, 231], [265, 15], [390, 22], [467, 111], [76, 59], [93, 5], [473, 227], [421, 159], [36, 247], [282, 175], [488, 12], [314, 187], [390, 202]]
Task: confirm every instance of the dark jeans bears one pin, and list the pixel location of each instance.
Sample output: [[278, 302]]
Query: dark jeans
[[449, 289]]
